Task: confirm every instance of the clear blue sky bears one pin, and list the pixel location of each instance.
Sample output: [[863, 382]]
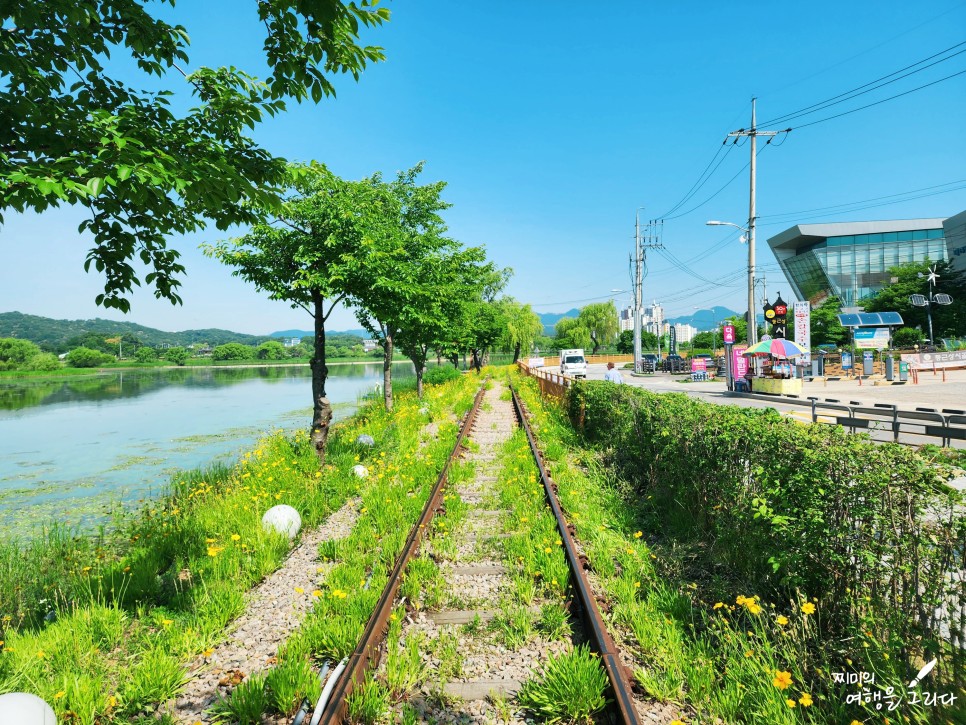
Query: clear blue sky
[[553, 121]]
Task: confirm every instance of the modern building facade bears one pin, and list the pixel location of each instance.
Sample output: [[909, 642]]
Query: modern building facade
[[850, 260]]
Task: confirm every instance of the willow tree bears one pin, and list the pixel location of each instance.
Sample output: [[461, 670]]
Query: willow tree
[[523, 326], [309, 258], [601, 322]]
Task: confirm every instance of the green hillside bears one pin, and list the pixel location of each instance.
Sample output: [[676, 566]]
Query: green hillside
[[55, 335]]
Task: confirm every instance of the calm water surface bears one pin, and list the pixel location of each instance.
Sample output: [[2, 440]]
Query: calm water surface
[[72, 449]]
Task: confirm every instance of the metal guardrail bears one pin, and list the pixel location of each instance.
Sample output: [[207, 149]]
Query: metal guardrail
[[926, 423]]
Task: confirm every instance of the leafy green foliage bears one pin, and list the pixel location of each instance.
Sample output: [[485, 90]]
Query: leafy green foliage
[[146, 354], [177, 355], [76, 135], [600, 321], [233, 351], [441, 374], [792, 509], [24, 355], [569, 687], [906, 337], [84, 357], [271, 351], [523, 326], [826, 328], [572, 333], [947, 320]]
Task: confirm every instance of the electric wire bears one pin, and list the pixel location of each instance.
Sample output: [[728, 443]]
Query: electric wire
[[876, 103], [702, 179], [868, 87]]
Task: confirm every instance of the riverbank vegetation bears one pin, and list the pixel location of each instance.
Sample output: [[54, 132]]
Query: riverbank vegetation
[[104, 627], [753, 566]]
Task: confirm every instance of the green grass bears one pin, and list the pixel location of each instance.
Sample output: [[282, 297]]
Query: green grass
[[104, 626], [568, 688], [700, 636]]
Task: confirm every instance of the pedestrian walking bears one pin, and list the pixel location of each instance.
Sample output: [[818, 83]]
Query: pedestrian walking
[[612, 374]]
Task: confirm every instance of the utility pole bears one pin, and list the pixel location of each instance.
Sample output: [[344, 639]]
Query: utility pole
[[640, 251], [753, 133]]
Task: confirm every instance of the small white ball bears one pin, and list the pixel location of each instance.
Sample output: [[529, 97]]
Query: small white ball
[[22, 708], [283, 519], [360, 471]]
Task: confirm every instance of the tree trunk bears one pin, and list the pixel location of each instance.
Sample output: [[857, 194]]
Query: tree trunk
[[321, 408], [387, 371], [516, 353], [419, 382]]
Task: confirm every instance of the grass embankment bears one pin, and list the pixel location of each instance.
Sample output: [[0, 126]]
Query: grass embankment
[[735, 620], [103, 627]]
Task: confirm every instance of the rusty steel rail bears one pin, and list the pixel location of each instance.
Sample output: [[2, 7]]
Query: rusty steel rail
[[600, 639], [368, 648]]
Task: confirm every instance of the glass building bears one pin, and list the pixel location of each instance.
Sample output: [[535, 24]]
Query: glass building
[[850, 260]]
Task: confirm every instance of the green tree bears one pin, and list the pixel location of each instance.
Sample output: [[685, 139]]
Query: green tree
[[523, 326], [906, 337], [14, 353], [571, 333], [271, 350], [825, 326], [178, 355], [601, 322], [704, 339], [84, 357], [947, 320], [42, 362], [73, 134], [309, 259], [625, 342], [233, 351], [146, 354]]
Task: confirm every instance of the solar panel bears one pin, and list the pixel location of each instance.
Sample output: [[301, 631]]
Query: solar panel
[[870, 319]]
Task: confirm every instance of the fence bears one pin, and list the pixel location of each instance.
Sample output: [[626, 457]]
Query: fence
[[552, 384]]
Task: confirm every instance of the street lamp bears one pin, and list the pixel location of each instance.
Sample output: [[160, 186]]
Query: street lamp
[[752, 322], [933, 299]]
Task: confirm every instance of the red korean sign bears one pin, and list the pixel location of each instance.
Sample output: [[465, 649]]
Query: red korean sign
[[728, 334]]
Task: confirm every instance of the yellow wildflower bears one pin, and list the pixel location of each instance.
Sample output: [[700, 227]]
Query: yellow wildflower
[[805, 699], [316, 592], [749, 653], [753, 606], [782, 620], [59, 695], [235, 537], [790, 702], [638, 534], [299, 590], [808, 608], [782, 680], [718, 605]]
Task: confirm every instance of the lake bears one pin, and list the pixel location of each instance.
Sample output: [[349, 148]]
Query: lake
[[72, 449]]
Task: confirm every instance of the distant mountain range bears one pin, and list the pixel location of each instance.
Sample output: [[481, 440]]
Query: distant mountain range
[[56, 334], [701, 319]]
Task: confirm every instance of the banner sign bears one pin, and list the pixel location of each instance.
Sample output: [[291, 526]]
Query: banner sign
[[699, 365], [929, 360], [803, 328], [728, 334], [672, 337], [846, 361], [739, 363], [872, 338], [779, 326]]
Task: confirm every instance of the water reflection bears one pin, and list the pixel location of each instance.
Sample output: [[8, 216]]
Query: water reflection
[[75, 444]]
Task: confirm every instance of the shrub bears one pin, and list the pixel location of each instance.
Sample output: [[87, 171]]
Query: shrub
[[84, 357], [569, 687], [907, 337], [42, 361], [233, 351], [146, 354], [440, 374], [16, 352], [271, 350], [177, 355], [867, 528]]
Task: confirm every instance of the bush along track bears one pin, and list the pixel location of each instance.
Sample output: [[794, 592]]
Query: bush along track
[[756, 571], [108, 629], [481, 631]]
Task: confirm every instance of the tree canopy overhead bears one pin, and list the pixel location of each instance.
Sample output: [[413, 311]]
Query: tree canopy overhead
[[73, 134]]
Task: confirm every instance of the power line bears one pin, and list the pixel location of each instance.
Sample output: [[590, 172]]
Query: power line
[[876, 103], [858, 91], [702, 180]]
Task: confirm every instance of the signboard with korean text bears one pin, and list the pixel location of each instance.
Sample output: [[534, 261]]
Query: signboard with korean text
[[803, 328], [728, 334], [739, 363], [699, 365], [779, 325], [872, 338], [846, 361], [938, 360]]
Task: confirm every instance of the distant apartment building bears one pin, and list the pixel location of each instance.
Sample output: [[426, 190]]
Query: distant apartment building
[[369, 345], [684, 332], [292, 341], [652, 319]]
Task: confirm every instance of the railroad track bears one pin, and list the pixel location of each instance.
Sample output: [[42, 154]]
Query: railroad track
[[461, 615]]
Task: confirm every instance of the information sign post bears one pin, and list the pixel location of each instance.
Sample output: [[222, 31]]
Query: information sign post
[[728, 337]]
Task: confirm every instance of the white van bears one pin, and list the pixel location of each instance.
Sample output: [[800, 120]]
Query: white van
[[572, 363]]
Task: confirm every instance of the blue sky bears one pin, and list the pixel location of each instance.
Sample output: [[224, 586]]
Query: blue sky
[[554, 121]]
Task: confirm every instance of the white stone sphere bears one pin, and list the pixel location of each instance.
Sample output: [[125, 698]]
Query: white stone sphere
[[365, 440], [424, 411], [360, 471], [283, 519], [22, 708]]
